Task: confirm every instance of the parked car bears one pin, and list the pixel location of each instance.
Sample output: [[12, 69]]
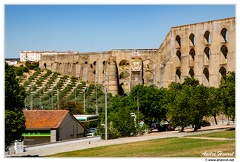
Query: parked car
[[92, 130], [90, 134], [205, 123], [165, 127]]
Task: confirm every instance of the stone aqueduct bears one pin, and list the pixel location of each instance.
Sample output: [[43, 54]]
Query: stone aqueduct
[[203, 50]]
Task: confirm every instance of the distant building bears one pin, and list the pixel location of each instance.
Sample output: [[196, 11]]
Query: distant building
[[37, 55], [30, 56], [44, 126], [12, 61]]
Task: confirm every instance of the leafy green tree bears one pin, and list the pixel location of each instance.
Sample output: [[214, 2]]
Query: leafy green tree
[[14, 104], [31, 65], [199, 107], [214, 102], [227, 89], [120, 115], [74, 108], [151, 101], [189, 103]]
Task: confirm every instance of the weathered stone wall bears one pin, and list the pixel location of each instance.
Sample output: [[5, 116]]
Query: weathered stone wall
[[203, 50]]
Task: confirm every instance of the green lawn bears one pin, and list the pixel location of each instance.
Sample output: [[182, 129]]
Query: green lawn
[[224, 134], [165, 147]]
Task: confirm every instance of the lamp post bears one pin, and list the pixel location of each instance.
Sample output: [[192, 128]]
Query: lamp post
[[75, 94], [106, 90], [138, 107], [84, 101], [57, 98], [31, 98], [96, 75], [75, 89]]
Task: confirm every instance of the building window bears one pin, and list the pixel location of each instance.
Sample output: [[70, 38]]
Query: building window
[[206, 74], [207, 37], [192, 53], [179, 54], [207, 52], [224, 34], [192, 39], [191, 73], [178, 41], [224, 51], [222, 71], [178, 73]]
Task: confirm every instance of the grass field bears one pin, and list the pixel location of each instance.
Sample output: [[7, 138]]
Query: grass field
[[165, 147], [225, 134]]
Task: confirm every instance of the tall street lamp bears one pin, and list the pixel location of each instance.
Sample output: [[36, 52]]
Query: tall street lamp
[[57, 98], [106, 90]]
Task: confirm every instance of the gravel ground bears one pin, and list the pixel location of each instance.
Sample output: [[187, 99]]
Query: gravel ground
[[58, 147]]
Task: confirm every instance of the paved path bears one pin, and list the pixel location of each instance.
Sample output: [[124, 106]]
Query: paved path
[[81, 144]]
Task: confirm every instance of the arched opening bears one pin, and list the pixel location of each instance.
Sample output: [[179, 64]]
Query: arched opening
[[124, 63], [45, 65], [148, 64], [206, 74], [224, 34], [178, 41], [207, 52], [124, 87], [207, 37], [124, 75], [192, 53], [192, 39], [191, 73], [222, 71], [179, 54], [178, 73], [94, 63], [148, 77], [224, 51], [86, 62]]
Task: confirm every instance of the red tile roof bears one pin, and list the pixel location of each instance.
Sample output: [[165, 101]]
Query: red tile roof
[[44, 118]]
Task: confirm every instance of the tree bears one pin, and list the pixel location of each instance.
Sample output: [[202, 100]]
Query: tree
[[227, 88], [189, 103], [214, 102], [74, 108], [120, 115], [14, 104], [151, 101], [177, 105]]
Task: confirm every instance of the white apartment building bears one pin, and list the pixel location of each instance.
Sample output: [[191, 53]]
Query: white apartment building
[[30, 56], [36, 55]]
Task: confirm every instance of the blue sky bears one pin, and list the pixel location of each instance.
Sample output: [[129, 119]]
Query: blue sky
[[86, 28]]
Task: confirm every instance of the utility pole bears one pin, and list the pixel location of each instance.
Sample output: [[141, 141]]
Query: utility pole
[[106, 112], [58, 98], [31, 103], [138, 107], [52, 99], [96, 87], [84, 100], [75, 95], [41, 102]]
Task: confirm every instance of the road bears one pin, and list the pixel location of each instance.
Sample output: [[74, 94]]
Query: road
[[58, 147]]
